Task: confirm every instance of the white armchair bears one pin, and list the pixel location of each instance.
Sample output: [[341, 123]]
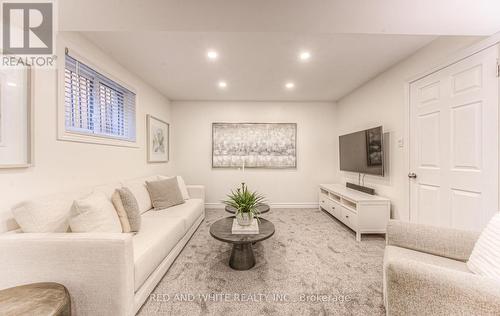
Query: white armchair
[[425, 273]]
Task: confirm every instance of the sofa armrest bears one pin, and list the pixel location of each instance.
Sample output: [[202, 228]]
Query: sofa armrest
[[445, 242], [433, 290], [196, 191], [96, 268]]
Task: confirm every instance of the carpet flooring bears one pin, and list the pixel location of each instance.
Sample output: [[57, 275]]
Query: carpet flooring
[[311, 266]]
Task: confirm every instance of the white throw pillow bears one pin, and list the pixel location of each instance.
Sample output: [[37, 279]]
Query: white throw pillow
[[48, 214], [485, 257], [141, 194], [95, 213], [182, 186]]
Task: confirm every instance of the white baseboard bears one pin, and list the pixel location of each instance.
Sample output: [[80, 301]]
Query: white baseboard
[[273, 205]]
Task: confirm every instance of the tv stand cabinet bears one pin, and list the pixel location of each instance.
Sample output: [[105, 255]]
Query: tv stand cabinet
[[363, 213]]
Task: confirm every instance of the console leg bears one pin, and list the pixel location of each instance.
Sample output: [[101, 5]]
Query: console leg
[[358, 236]]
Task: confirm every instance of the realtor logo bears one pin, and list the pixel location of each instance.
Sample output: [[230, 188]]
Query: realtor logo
[[27, 28]]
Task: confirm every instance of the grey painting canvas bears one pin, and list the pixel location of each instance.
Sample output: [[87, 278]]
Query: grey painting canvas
[[254, 145]]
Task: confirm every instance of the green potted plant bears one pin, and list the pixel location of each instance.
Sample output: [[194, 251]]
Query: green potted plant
[[246, 204]]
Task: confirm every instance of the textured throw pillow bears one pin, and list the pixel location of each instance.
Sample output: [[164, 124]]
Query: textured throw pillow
[[182, 186], [95, 213], [120, 211], [164, 193], [485, 257], [131, 208]]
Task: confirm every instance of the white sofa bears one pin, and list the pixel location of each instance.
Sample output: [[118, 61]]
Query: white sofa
[[105, 273]]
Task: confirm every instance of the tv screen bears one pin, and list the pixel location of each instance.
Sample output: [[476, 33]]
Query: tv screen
[[362, 152]]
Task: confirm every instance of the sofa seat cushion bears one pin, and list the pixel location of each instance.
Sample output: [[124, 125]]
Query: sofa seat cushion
[[160, 232], [189, 211]]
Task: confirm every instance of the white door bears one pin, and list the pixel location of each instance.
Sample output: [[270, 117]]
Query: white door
[[454, 144]]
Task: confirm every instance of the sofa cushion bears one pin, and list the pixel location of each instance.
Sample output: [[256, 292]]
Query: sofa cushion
[[121, 212], [94, 213], [189, 211], [108, 189], [131, 207], [164, 193], [140, 192], [182, 186], [160, 233], [48, 214]]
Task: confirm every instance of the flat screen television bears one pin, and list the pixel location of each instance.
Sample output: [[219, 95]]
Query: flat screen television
[[362, 152]]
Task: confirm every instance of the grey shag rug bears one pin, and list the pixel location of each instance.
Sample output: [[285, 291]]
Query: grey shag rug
[[311, 266]]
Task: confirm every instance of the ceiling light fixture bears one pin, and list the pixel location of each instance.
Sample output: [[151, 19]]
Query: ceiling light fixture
[[289, 85], [304, 56], [11, 84], [222, 84], [212, 55]]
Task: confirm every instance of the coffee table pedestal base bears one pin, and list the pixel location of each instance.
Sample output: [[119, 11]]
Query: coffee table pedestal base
[[242, 257]]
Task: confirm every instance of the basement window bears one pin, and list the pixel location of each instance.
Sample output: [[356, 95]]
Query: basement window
[[95, 105]]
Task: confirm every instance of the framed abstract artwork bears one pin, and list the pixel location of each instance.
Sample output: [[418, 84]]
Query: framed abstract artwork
[[158, 140], [16, 121], [254, 145]]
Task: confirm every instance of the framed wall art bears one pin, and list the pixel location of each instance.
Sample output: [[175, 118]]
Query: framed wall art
[[254, 145], [16, 121], [158, 140]]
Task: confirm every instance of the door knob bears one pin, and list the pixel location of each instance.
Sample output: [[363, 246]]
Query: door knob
[[412, 175]]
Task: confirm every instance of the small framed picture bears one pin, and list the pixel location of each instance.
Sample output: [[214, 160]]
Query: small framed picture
[[158, 140]]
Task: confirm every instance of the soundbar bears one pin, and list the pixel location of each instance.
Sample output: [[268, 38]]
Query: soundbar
[[360, 188]]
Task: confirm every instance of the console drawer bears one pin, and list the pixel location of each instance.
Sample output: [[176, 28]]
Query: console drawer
[[323, 201], [349, 218], [336, 209]]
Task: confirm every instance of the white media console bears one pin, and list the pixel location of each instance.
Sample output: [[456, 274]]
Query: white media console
[[363, 213]]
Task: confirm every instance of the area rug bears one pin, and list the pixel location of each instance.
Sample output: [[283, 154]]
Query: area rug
[[311, 266]]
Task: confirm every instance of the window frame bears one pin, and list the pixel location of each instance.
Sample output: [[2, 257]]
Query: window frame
[[83, 137]]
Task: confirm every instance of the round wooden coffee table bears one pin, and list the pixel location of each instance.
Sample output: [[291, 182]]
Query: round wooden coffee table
[[263, 208], [242, 257]]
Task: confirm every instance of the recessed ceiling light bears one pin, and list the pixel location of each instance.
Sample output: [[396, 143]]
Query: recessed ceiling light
[[212, 55], [289, 85], [11, 84], [222, 84], [304, 56]]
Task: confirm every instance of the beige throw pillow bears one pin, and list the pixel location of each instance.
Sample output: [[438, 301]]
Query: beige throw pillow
[[131, 208], [182, 186], [95, 213], [164, 193], [120, 211]]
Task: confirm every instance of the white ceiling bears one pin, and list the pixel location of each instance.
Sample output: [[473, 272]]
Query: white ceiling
[[422, 17], [351, 41], [255, 65]]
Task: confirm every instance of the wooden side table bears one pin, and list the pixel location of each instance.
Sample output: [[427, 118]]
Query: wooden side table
[[41, 299]]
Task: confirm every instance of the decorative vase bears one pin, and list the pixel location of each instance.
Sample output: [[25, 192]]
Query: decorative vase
[[244, 219]]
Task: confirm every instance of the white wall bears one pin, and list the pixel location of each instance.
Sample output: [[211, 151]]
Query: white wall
[[381, 101], [316, 148], [60, 165]]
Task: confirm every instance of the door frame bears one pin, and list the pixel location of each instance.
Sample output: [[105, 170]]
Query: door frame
[[450, 60]]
